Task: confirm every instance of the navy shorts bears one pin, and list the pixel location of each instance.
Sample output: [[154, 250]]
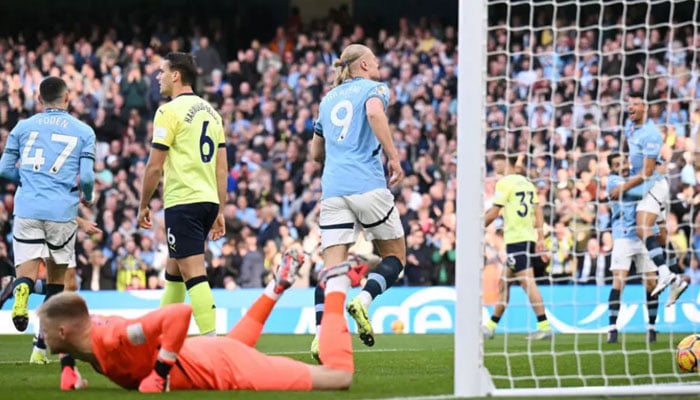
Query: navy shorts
[[187, 227], [520, 255]]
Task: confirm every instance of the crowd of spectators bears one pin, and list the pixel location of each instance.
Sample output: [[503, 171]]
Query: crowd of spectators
[[558, 95], [268, 95]]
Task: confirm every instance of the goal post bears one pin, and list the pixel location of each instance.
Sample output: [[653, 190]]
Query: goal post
[[659, 46], [471, 378]]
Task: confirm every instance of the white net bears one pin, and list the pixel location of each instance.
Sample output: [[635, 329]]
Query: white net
[[558, 73]]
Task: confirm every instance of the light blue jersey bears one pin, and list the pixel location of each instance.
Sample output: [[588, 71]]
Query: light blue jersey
[[644, 142], [353, 154], [53, 148], [624, 217]]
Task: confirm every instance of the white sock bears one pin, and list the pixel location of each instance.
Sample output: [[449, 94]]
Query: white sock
[[339, 283], [318, 331], [365, 298], [270, 290], [664, 271], [651, 327]]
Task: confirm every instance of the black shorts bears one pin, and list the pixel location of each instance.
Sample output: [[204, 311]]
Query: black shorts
[[520, 255], [187, 227]]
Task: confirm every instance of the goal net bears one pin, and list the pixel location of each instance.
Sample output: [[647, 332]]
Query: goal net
[[556, 75]]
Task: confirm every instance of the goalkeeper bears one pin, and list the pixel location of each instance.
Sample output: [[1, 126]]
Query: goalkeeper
[[153, 353]]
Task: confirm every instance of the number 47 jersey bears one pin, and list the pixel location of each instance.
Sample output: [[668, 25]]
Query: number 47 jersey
[[518, 198], [50, 147], [353, 162]]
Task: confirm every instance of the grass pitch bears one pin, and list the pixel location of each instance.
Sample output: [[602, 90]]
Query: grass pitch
[[398, 366]]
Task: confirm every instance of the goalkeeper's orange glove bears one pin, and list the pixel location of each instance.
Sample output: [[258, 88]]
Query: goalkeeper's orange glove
[[158, 380]]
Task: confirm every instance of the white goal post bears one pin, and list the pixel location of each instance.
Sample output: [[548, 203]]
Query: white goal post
[[471, 375]]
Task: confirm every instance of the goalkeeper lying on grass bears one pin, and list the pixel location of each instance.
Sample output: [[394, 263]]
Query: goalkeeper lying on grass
[[153, 353]]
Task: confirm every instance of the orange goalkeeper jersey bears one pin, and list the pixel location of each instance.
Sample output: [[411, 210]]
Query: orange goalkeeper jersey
[[127, 349]]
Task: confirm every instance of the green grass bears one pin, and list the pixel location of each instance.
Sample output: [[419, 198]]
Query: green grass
[[584, 360], [398, 366]]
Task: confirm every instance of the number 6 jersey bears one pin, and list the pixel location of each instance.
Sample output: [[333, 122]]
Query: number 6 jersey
[[518, 197], [53, 148], [353, 154], [191, 131]]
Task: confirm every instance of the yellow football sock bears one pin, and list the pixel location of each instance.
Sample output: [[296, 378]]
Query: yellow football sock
[[491, 325], [203, 307], [174, 293], [543, 325]]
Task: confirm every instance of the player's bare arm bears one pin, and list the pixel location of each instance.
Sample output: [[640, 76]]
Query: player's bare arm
[[380, 126], [649, 168], [539, 222], [318, 149], [151, 178], [491, 215], [218, 229]]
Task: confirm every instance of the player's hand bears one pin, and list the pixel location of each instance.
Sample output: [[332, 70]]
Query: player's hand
[[540, 247], [154, 383], [88, 226], [395, 172], [144, 218], [218, 229], [614, 194]]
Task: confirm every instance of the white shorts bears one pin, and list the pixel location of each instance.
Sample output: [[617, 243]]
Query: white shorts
[[655, 200], [626, 250], [374, 212], [35, 238]]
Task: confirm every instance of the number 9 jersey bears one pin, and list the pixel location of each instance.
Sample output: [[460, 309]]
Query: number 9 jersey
[[518, 198], [191, 131], [353, 154]]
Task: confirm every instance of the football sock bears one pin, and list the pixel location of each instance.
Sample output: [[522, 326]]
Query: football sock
[[174, 290], [335, 344], [652, 308], [249, 328], [657, 255], [614, 306], [26, 281], [493, 322], [51, 290], [383, 277], [319, 298], [542, 323], [270, 290], [203, 307], [339, 283], [671, 260]]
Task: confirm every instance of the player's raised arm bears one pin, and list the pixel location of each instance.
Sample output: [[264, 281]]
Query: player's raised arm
[[169, 326]]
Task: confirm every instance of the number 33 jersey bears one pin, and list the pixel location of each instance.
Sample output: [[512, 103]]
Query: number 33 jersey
[[353, 162], [191, 131], [50, 146], [518, 198]]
